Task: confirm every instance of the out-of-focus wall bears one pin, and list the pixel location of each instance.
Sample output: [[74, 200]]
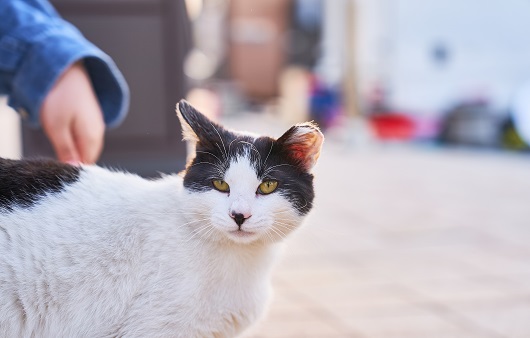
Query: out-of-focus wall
[[10, 141]]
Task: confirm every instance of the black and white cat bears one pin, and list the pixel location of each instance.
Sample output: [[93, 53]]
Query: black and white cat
[[88, 252]]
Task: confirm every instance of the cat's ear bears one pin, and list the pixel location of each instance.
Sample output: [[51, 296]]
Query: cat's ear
[[191, 121], [302, 143], [197, 128]]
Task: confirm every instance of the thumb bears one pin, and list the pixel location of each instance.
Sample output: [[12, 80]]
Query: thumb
[[64, 145]]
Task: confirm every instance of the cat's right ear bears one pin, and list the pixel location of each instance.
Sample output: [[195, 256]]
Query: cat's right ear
[[191, 121], [197, 128]]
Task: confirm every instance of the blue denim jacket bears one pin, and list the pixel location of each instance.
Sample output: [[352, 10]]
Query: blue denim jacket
[[37, 45]]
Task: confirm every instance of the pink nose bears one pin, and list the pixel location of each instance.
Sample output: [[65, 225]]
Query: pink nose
[[239, 218]]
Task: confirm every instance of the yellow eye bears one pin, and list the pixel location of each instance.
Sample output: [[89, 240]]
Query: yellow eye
[[221, 185], [267, 187]]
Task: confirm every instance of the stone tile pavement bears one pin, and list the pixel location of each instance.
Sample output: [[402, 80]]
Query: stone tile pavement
[[409, 242]]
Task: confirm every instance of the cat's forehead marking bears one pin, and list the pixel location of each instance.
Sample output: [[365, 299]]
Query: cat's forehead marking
[[245, 151], [241, 173]]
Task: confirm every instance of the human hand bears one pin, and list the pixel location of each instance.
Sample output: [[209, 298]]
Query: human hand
[[72, 118]]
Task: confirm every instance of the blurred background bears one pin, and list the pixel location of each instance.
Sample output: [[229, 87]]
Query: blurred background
[[422, 218]]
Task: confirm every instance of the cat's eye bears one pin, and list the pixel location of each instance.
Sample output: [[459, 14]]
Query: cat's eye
[[221, 185], [267, 187]]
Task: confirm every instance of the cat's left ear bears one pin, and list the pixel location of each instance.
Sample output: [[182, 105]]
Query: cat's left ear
[[303, 143]]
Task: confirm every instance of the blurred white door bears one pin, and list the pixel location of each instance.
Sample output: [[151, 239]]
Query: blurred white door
[[10, 139]]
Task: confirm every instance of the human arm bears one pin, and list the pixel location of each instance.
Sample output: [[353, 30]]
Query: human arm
[[38, 53]]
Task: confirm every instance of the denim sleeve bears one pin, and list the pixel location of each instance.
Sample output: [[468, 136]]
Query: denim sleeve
[[37, 46]]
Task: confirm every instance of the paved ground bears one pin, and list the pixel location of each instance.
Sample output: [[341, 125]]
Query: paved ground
[[411, 243]]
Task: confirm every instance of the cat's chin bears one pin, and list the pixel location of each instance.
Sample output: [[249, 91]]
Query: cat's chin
[[242, 236]]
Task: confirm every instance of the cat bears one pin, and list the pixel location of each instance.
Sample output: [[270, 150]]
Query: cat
[[91, 252]]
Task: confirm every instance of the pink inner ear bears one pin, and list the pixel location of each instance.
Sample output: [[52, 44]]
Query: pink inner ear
[[298, 152], [306, 149]]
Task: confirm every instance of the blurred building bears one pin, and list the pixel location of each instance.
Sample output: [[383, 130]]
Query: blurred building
[[429, 55], [310, 59]]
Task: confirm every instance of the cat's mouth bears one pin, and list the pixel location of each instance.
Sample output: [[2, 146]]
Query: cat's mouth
[[242, 236], [241, 233]]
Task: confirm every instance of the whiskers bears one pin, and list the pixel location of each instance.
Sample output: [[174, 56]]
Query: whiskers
[[253, 148], [272, 168], [223, 162], [209, 153], [219, 167], [280, 229], [203, 231], [224, 150]]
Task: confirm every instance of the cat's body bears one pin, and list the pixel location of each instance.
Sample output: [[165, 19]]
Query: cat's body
[[113, 259], [94, 253]]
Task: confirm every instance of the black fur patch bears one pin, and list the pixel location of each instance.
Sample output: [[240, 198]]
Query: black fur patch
[[23, 182], [270, 161]]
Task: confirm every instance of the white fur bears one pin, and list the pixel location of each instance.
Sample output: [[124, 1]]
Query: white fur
[[117, 255]]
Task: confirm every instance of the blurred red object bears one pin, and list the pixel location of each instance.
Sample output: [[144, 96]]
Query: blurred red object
[[393, 126]]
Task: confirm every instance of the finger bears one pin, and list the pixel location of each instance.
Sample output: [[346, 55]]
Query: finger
[[63, 144], [89, 139]]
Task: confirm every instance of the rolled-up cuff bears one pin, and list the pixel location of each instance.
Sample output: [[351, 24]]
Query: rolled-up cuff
[[110, 88]]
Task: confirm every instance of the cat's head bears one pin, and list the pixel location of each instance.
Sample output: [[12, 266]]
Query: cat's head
[[247, 188]]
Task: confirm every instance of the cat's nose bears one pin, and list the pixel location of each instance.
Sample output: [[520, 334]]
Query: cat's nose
[[239, 218]]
